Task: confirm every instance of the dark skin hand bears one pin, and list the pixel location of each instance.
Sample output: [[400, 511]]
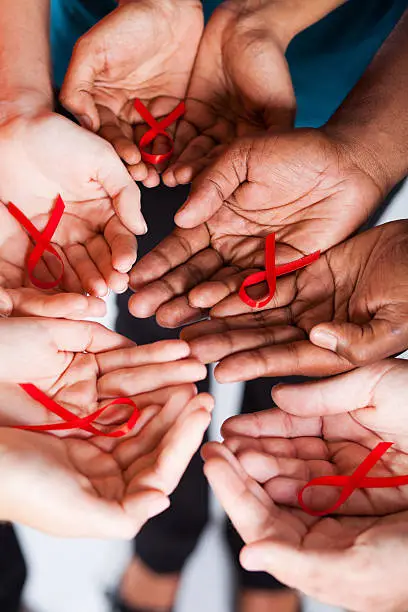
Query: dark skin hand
[[347, 309], [240, 85], [255, 188]]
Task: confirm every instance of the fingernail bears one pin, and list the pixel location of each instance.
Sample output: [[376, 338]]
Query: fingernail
[[86, 122], [324, 339], [253, 561]]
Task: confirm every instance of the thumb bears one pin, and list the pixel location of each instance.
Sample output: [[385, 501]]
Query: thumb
[[336, 395], [76, 92], [365, 343], [305, 570], [214, 185]]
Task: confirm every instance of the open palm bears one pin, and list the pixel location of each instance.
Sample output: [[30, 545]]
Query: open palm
[[240, 85], [141, 50], [297, 185], [49, 155], [348, 308], [82, 366], [322, 428], [72, 487]]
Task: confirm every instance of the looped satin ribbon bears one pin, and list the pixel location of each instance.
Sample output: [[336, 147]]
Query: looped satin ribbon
[[271, 273], [72, 421], [157, 128], [43, 240], [357, 480]]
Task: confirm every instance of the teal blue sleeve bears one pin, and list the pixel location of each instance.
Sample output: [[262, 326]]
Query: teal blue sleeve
[[326, 60]]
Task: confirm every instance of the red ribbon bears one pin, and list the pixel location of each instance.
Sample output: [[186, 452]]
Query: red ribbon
[[42, 240], [357, 480], [157, 127], [271, 273], [72, 421]]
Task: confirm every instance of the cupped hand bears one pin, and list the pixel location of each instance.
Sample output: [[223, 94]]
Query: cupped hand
[[348, 308], [322, 428], [301, 185], [354, 562], [240, 85], [44, 155], [73, 488], [142, 50], [82, 366]]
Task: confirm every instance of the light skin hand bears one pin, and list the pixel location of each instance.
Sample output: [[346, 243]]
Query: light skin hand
[[83, 366], [142, 50], [95, 236], [73, 488], [240, 85], [348, 308], [254, 189], [356, 557]]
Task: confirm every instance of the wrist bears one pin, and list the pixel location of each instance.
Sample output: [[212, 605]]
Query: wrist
[[370, 150], [25, 103]]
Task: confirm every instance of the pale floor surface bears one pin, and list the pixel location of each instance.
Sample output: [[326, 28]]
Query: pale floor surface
[[73, 575]]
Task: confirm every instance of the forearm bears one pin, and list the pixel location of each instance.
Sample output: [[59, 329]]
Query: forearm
[[372, 123], [25, 66]]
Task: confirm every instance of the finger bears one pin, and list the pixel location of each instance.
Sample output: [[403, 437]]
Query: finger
[[88, 274], [178, 312], [226, 281], [141, 379], [214, 186], [294, 358], [139, 172], [128, 452], [171, 252], [80, 336], [271, 423], [251, 517], [140, 459], [120, 135], [214, 347], [144, 505], [157, 352], [295, 448], [313, 572], [101, 255], [30, 302], [6, 303], [365, 343], [122, 190], [178, 448], [343, 393], [123, 245], [76, 92]]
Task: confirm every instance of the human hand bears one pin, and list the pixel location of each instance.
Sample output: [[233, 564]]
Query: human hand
[[82, 365], [354, 562], [322, 428], [72, 488], [254, 189], [240, 85], [348, 308], [44, 154], [142, 50]]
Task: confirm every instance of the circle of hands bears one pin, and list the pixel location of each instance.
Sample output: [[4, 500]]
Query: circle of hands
[[236, 145]]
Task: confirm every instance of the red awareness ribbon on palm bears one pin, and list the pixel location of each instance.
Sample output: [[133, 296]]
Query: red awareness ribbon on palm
[[157, 128], [43, 242], [271, 273], [357, 480], [72, 421]]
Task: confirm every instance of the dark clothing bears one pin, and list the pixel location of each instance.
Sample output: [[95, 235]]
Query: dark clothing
[[13, 570]]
